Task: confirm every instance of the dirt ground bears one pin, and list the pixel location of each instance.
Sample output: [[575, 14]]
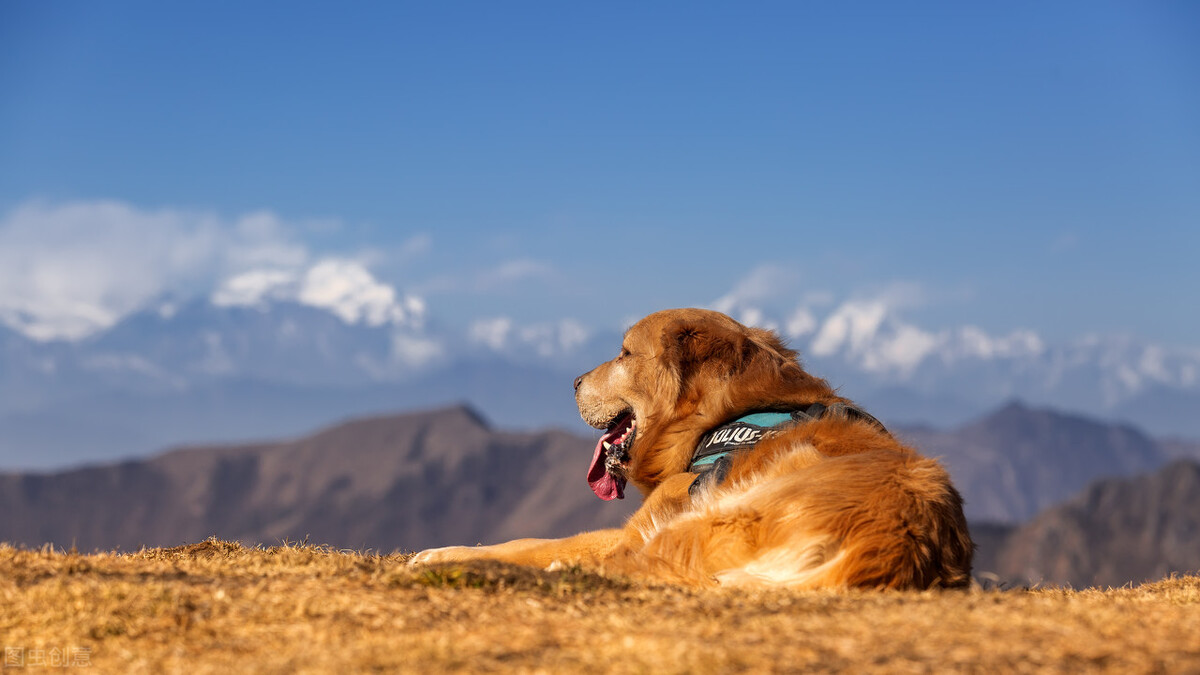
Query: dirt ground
[[220, 607]]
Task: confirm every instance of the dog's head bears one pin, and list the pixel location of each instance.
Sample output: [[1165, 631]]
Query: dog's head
[[679, 373]]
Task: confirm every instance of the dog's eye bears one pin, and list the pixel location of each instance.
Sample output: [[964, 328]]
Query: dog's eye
[[624, 352]]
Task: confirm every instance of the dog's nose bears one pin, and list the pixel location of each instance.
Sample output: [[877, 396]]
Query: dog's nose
[[578, 381]]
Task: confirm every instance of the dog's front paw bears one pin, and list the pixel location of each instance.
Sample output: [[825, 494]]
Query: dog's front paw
[[443, 555]]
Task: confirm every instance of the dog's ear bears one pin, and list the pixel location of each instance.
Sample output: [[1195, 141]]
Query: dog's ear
[[691, 345]]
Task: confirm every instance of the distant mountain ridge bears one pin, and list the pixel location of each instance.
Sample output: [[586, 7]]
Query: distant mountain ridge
[[1015, 462], [1116, 531], [445, 476], [403, 481]]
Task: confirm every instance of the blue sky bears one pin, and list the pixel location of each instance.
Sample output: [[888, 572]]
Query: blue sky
[[1021, 164]]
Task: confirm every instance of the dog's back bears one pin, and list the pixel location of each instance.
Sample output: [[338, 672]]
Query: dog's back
[[795, 515]]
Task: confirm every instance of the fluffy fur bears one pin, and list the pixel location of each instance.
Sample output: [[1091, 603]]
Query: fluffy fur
[[831, 503]]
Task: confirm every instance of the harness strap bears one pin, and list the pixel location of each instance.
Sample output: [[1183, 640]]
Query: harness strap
[[711, 457]]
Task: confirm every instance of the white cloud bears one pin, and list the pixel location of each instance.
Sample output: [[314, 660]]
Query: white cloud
[[344, 287], [903, 350], [753, 316], [1153, 363], [259, 240], [545, 339], [415, 350], [762, 283], [867, 329], [869, 332], [562, 337], [255, 288], [70, 270], [801, 323], [851, 326], [974, 342], [1189, 374], [348, 290], [492, 333]]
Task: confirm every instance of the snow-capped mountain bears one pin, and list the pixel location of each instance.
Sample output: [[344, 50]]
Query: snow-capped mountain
[[947, 376], [274, 352]]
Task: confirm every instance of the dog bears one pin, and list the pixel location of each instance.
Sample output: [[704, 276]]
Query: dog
[[754, 473]]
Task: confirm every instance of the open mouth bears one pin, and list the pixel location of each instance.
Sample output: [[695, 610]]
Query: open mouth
[[606, 475]]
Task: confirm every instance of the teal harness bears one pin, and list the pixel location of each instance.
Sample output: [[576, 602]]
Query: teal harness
[[711, 458], [739, 434]]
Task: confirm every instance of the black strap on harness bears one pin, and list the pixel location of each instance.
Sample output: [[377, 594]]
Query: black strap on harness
[[711, 457]]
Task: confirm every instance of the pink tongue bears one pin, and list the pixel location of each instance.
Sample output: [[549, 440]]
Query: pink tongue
[[605, 485]]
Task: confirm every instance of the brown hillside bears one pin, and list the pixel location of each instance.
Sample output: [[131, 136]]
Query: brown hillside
[[411, 481], [1017, 461], [1114, 532]]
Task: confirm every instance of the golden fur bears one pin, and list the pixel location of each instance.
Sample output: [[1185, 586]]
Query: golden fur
[[835, 502]]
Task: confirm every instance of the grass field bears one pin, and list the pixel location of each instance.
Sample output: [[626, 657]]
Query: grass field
[[220, 607]]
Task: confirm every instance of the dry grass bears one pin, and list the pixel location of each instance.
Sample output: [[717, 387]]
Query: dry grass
[[217, 606]]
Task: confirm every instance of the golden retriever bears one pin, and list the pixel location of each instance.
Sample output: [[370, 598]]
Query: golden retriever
[[754, 473]]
